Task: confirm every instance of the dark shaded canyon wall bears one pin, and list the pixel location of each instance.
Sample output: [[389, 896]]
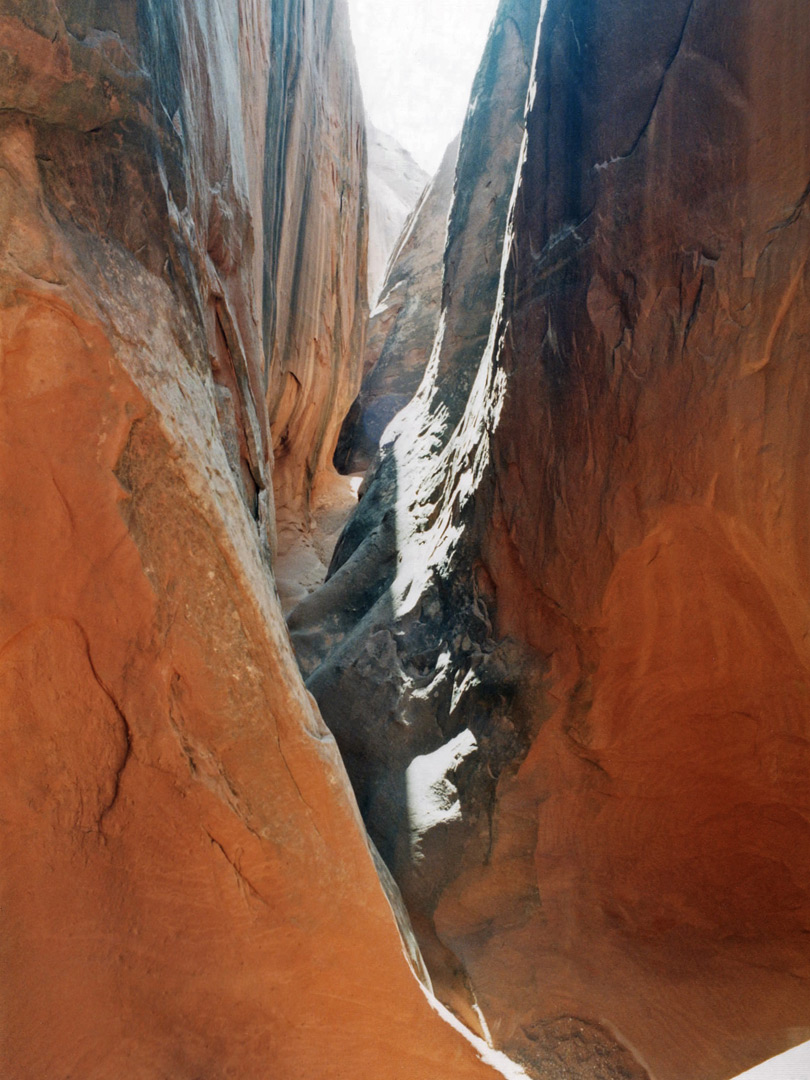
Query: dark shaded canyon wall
[[582, 744], [402, 327], [316, 237], [186, 888]]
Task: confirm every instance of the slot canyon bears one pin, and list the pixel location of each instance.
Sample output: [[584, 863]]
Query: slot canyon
[[404, 579]]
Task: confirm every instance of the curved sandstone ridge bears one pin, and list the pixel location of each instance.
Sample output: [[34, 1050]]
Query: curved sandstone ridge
[[187, 889], [564, 642]]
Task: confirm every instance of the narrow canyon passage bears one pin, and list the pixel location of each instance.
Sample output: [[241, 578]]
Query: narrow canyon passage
[[404, 590], [561, 758]]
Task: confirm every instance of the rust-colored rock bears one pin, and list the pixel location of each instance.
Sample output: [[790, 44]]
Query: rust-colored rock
[[653, 331], [186, 889], [315, 243], [185, 886]]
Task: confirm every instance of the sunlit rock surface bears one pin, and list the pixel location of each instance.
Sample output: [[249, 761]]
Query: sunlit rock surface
[[186, 889], [403, 325], [395, 184], [564, 644]]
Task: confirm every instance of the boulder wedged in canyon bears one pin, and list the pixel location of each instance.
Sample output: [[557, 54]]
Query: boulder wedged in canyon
[[564, 643], [186, 887], [403, 325], [395, 184]]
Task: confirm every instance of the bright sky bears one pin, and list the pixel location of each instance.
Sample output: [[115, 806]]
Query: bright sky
[[417, 61]]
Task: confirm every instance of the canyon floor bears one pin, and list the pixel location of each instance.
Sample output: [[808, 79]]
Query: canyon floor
[[305, 546]]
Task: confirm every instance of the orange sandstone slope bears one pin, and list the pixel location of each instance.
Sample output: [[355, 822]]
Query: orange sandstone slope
[[186, 888]]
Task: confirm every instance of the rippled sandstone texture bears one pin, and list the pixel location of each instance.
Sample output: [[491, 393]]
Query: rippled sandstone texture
[[186, 889], [587, 763]]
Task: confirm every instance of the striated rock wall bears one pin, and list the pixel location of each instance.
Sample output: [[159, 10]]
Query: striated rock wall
[[186, 889], [315, 241], [564, 642], [403, 325]]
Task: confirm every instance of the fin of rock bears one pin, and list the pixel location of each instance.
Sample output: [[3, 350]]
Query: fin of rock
[[395, 185]]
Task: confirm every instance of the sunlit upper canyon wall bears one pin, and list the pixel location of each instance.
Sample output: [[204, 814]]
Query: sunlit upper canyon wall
[[562, 650]]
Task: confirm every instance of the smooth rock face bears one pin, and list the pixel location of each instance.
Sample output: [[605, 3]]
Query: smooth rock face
[[403, 325], [186, 889], [315, 239], [795, 1062], [572, 687], [395, 184]]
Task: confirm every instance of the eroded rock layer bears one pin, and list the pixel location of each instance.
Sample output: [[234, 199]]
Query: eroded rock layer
[[186, 888], [572, 685]]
